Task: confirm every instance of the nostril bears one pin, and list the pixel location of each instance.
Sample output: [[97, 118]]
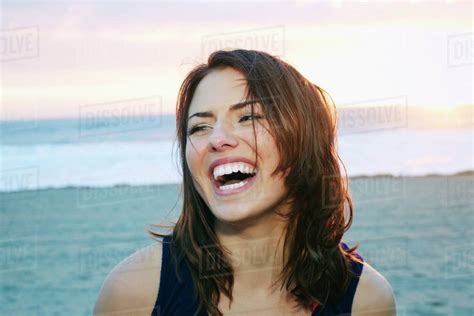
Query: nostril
[[220, 141]]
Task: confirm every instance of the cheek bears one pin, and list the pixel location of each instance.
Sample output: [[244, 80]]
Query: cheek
[[192, 159], [266, 146], [261, 136], [195, 162]]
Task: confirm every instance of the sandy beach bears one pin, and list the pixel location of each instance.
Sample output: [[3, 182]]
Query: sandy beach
[[59, 244]]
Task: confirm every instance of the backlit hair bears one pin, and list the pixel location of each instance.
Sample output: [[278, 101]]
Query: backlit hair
[[302, 119]]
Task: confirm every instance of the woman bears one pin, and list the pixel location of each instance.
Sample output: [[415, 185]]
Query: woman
[[265, 205]]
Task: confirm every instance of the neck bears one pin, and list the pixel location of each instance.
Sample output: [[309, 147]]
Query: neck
[[256, 250]]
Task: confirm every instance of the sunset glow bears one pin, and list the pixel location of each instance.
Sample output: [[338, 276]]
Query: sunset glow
[[59, 57]]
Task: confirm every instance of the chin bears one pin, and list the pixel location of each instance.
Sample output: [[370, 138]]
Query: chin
[[231, 215]]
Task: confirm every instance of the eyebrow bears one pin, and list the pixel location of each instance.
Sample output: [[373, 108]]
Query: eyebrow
[[233, 107]]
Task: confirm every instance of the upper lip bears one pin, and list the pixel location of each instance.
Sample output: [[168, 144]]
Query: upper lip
[[225, 160]]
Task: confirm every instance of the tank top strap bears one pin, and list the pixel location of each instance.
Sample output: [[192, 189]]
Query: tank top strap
[[344, 306], [356, 267], [176, 296]]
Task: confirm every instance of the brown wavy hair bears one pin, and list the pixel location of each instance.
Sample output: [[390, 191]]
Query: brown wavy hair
[[303, 120]]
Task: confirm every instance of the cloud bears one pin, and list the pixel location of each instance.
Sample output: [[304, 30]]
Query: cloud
[[92, 51]]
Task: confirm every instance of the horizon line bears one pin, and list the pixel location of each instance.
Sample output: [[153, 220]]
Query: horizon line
[[173, 113]]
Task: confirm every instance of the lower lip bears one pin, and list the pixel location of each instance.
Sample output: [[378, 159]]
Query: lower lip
[[246, 186]]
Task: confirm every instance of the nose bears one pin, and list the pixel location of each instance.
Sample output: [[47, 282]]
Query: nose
[[222, 138]]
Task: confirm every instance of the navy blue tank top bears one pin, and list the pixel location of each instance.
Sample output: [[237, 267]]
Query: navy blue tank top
[[178, 298]]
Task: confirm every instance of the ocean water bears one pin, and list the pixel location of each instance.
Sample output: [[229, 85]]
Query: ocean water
[[141, 151], [76, 196], [58, 245]]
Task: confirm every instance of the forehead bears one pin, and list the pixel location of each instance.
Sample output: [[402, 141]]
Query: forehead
[[219, 88]]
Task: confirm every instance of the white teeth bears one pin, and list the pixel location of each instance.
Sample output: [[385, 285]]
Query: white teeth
[[233, 186], [232, 167], [235, 168]]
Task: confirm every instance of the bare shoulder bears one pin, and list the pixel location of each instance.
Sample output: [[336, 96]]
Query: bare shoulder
[[131, 288], [374, 295]]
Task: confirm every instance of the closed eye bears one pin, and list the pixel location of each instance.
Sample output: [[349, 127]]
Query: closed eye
[[248, 117], [196, 129], [244, 118]]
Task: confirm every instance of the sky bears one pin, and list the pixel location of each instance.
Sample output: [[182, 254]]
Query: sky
[[60, 57]]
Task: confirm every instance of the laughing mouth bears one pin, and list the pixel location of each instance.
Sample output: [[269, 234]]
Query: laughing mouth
[[232, 175], [236, 180]]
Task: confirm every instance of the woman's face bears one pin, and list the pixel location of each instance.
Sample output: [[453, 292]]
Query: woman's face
[[221, 150]]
